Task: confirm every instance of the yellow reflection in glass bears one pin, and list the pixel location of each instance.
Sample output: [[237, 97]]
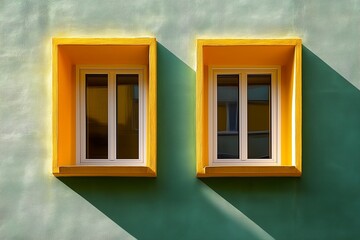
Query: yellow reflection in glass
[[127, 131], [259, 115]]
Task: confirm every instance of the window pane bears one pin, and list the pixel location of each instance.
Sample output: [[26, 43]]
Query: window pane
[[127, 117], [96, 116], [259, 116], [228, 116]]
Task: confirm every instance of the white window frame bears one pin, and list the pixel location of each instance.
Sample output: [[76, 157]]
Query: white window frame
[[243, 72], [111, 71]]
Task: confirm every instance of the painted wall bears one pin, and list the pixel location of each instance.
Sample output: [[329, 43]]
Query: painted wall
[[323, 204]]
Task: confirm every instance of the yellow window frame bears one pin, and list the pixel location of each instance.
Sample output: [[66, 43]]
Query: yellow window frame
[[66, 54], [285, 53]]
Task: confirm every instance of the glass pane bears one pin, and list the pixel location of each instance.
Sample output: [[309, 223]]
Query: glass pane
[[127, 117], [96, 116], [228, 116], [259, 116]]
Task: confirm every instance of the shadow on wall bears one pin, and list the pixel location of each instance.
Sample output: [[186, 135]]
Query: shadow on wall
[[324, 202], [176, 205]]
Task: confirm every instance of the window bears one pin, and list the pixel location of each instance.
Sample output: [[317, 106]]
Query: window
[[111, 110], [104, 107], [243, 116], [248, 112]]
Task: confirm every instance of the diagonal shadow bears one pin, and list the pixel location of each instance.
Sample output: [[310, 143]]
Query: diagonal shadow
[[324, 203], [175, 205]]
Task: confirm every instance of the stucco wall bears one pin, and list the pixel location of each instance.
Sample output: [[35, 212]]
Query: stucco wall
[[323, 204]]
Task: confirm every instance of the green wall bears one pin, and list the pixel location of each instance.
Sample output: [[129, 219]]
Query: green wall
[[322, 204]]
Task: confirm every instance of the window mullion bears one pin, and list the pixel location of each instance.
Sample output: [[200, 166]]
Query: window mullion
[[243, 117], [111, 116]]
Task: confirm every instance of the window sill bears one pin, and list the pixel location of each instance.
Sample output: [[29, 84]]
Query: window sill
[[104, 171], [250, 171]]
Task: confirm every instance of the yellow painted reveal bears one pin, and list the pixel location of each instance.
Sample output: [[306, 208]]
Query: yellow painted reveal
[[69, 52], [285, 53]]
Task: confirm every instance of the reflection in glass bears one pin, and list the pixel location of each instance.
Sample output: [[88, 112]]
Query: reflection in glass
[[228, 116], [259, 115], [127, 116], [96, 116]]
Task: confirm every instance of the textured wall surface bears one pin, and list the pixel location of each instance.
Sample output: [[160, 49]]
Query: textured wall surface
[[323, 204]]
